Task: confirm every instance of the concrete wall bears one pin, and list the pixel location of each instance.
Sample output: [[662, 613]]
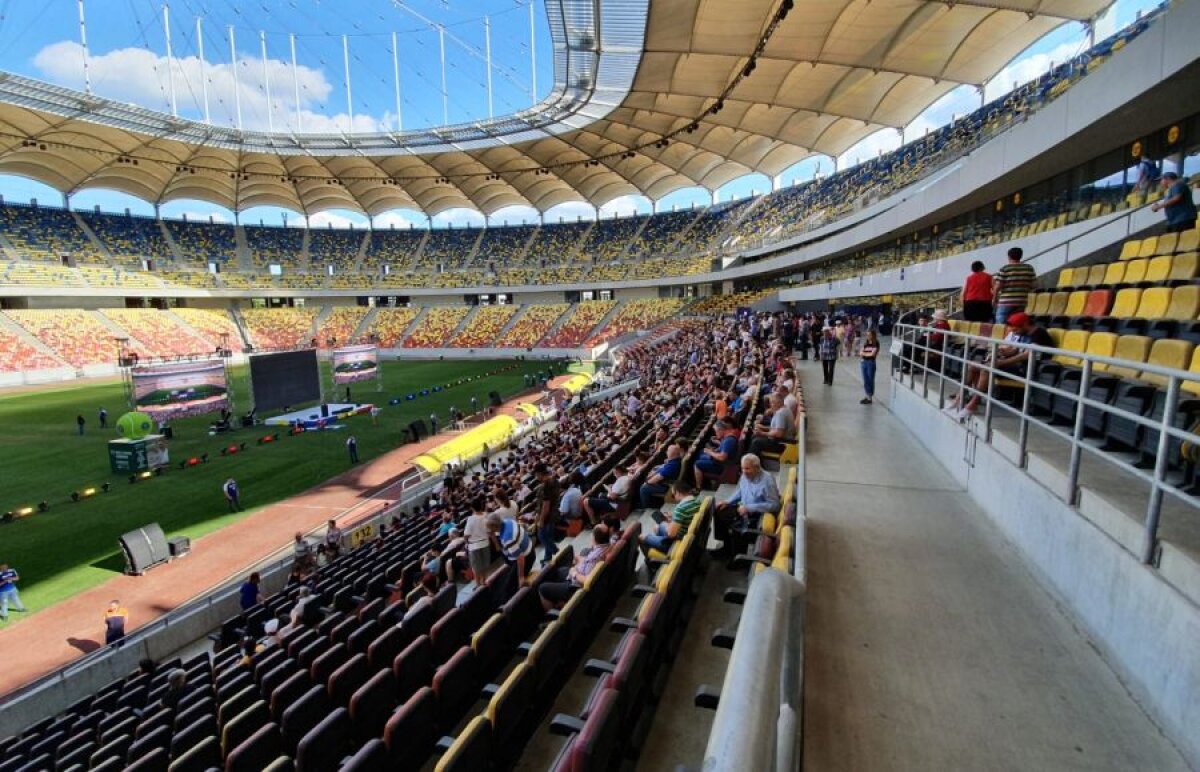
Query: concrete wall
[[1145, 628]]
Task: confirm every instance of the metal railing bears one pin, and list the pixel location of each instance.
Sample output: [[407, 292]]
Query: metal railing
[[759, 719], [921, 365]]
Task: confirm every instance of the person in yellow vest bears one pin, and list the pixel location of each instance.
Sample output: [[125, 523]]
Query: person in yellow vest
[[114, 622]]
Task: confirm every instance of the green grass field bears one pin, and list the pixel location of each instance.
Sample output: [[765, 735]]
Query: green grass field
[[73, 546]]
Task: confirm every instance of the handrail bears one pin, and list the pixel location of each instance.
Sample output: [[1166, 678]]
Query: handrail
[[910, 339], [949, 297]]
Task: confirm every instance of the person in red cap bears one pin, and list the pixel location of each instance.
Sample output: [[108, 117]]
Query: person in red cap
[[1011, 360]]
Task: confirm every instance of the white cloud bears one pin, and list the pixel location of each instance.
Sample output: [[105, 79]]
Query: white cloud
[[139, 75], [882, 141], [1029, 67], [515, 215], [345, 221], [571, 211], [401, 219], [458, 218], [203, 217], [624, 206]]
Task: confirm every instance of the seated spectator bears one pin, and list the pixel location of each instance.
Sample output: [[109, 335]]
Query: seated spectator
[[1010, 360], [598, 506], [665, 533], [302, 553], [781, 429], [756, 494], [570, 506], [447, 523], [657, 483], [560, 585], [712, 462], [333, 540]]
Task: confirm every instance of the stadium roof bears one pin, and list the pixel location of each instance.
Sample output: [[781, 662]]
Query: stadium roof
[[732, 86]]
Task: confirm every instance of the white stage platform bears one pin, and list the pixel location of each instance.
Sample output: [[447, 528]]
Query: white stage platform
[[313, 417]]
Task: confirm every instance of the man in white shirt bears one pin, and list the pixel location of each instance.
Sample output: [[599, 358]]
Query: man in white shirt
[[781, 429], [597, 507]]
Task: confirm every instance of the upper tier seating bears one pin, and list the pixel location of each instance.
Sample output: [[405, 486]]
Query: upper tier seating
[[211, 325], [389, 325], [556, 244], [47, 235], [339, 325], [160, 334], [661, 233], [609, 239], [723, 305], [637, 315], [77, 337], [580, 324], [279, 327], [201, 243], [483, 327], [275, 246], [504, 245], [533, 325], [436, 327], [20, 356], [394, 248], [449, 247], [42, 275], [130, 239], [338, 248]]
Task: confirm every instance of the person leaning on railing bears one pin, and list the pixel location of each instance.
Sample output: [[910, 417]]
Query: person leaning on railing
[[1009, 360]]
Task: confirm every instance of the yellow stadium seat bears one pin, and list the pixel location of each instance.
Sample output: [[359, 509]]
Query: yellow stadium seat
[[1130, 249], [1074, 341], [1114, 274], [1185, 303], [1184, 267], [1039, 302], [1193, 387], [1189, 241], [1158, 270], [973, 328], [1169, 353], [1126, 303], [1149, 247], [1066, 278], [1095, 275], [1102, 344], [1167, 244], [957, 325], [1135, 270], [1058, 303], [1076, 302], [1154, 303], [1133, 349], [1056, 335]]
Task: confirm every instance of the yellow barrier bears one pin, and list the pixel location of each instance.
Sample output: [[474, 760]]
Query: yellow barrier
[[577, 383], [495, 432], [527, 408]]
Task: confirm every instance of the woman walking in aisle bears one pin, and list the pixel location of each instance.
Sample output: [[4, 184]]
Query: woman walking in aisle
[[870, 350], [828, 352]]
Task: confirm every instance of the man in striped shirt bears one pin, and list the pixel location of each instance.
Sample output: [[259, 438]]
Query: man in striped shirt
[[1012, 285]]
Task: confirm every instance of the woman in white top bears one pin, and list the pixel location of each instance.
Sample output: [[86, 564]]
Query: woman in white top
[[479, 546]]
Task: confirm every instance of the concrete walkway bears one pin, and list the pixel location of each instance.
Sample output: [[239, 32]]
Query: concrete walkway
[[928, 644]]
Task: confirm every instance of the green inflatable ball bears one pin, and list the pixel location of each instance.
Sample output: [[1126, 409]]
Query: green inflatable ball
[[134, 426]]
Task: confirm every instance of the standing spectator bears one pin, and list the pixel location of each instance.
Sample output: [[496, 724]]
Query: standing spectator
[[827, 350], [233, 496], [432, 424], [80, 423], [479, 546], [485, 458], [513, 543], [1148, 174], [115, 617], [352, 448], [333, 539], [375, 411], [249, 594], [1011, 285], [474, 404], [1177, 204], [103, 418], [302, 553], [977, 294], [546, 520], [8, 591], [870, 351], [348, 398]]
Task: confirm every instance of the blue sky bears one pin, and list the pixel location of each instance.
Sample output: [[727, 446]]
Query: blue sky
[[127, 47]]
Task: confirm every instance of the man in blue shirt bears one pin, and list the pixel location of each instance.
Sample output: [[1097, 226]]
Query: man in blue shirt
[[8, 591], [657, 483], [756, 494], [713, 461], [1177, 204]]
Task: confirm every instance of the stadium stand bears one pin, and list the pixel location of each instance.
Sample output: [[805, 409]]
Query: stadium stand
[[160, 334], [76, 337], [580, 323], [706, 233], [484, 327], [340, 324], [389, 324], [202, 243], [394, 248], [19, 356], [660, 233], [722, 305], [437, 325], [279, 327], [42, 275], [450, 248], [334, 247], [47, 234], [275, 246], [504, 245], [212, 325], [556, 244], [535, 322], [609, 239], [637, 315], [130, 240]]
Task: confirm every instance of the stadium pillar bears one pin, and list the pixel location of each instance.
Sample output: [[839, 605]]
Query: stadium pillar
[[262, 42], [87, 78], [237, 93], [170, 60], [296, 84], [203, 65]]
